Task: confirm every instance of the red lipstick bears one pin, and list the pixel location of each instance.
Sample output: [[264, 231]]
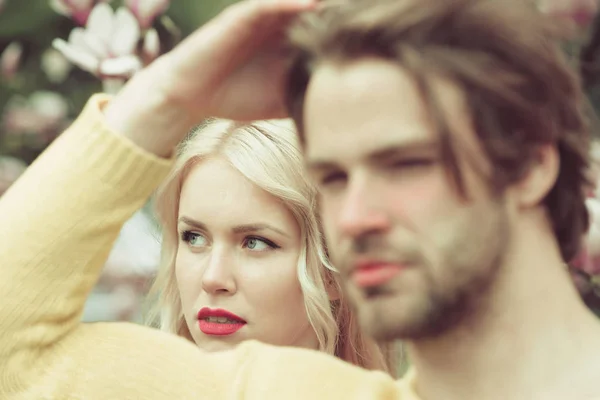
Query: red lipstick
[[218, 322], [375, 273]]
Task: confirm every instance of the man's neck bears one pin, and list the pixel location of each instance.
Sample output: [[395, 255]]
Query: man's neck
[[533, 336]]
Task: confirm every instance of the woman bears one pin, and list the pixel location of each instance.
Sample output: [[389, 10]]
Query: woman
[[60, 219], [242, 252]]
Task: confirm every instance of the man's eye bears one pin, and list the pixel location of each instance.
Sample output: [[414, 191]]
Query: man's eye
[[335, 177], [412, 163]]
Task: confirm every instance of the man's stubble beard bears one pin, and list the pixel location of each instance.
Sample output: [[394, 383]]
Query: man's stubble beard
[[456, 294]]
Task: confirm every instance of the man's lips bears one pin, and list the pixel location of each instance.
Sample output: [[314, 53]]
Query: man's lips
[[368, 274]]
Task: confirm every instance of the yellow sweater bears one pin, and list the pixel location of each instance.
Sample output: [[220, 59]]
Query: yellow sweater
[[57, 225]]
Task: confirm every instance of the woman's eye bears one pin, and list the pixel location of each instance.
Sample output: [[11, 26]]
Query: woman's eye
[[193, 239], [257, 244]]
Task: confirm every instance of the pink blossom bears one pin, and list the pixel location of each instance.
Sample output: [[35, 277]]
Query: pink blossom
[[578, 14], [77, 10], [10, 60], [43, 114], [107, 45], [146, 11]]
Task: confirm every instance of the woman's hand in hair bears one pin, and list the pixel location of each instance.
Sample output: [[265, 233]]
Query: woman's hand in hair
[[232, 67]]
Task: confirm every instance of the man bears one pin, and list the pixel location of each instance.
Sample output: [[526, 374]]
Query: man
[[449, 145], [451, 193]]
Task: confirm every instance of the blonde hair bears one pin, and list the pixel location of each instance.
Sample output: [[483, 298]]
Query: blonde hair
[[266, 153]]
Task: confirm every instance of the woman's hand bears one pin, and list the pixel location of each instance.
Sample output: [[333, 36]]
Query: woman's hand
[[232, 67]]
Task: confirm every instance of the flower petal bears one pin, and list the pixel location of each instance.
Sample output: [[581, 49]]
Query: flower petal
[[96, 45], [76, 39], [151, 44], [126, 34], [10, 59], [82, 59], [60, 7], [112, 85], [82, 5], [49, 104], [84, 41], [147, 10], [55, 66], [101, 22], [121, 66], [133, 6]]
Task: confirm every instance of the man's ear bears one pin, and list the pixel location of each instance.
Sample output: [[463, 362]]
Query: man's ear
[[539, 179]]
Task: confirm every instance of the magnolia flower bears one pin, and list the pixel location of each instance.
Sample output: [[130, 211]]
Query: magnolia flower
[[43, 114], [10, 60], [581, 12], [55, 65], [107, 45], [578, 16], [77, 10], [151, 47], [146, 11]]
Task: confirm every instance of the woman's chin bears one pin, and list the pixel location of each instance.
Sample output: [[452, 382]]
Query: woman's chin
[[213, 345]]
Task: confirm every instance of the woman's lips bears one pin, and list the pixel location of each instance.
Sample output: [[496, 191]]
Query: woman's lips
[[219, 322]]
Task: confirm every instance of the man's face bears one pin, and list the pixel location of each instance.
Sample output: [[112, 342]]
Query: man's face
[[414, 255]]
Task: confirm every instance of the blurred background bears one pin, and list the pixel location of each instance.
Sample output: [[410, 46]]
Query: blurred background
[[54, 54]]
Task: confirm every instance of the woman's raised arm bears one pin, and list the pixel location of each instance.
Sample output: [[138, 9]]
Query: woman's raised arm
[[60, 219]]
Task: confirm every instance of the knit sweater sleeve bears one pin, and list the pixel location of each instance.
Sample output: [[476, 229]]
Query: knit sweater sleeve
[[57, 225]]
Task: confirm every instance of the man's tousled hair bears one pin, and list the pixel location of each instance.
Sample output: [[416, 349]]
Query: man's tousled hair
[[503, 55]]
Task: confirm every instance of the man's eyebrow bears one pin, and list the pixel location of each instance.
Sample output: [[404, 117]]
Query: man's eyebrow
[[320, 165], [383, 152], [417, 147]]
